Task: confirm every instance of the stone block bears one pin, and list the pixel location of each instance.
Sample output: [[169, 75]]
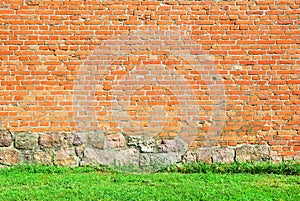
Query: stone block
[[98, 156], [78, 139], [94, 139], [127, 158], [26, 140], [223, 155], [51, 140], [251, 153], [26, 156], [134, 140], [5, 138], [145, 160], [145, 145], [65, 157], [175, 145], [79, 151], [204, 155], [115, 141], [189, 157], [9, 157], [41, 157], [161, 160]]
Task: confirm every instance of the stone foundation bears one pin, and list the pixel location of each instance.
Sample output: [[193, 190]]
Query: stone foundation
[[94, 148]]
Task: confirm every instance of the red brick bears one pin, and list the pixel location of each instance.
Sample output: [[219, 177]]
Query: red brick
[[46, 43]]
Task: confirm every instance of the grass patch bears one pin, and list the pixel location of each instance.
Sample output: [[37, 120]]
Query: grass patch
[[284, 168], [98, 183]]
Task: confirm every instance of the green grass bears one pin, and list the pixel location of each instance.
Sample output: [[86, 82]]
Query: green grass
[[284, 168], [90, 183]]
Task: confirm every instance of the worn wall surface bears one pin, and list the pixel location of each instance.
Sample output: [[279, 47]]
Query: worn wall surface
[[142, 82]]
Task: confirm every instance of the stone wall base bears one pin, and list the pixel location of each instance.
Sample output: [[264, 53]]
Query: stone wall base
[[95, 148]]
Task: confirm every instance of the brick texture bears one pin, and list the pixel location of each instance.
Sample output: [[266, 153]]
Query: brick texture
[[255, 45]]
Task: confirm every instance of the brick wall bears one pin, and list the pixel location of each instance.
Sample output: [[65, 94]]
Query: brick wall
[[46, 47]]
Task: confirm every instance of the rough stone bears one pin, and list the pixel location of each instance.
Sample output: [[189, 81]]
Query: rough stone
[[145, 145], [161, 160], [251, 153], [115, 141], [26, 140], [80, 151], [223, 155], [5, 138], [145, 160], [127, 158], [204, 155], [91, 139], [26, 156], [41, 157], [65, 157], [189, 157], [9, 157], [175, 145], [134, 140], [98, 156], [78, 139], [95, 139], [51, 140]]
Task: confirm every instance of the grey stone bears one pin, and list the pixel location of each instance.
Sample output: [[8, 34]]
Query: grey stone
[[26, 140], [95, 139], [5, 138], [26, 156], [127, 157], [80, 151], [65, 157], [161, 160], [189, 157], [145, 160], [175, 145], [204, 155], [134, 140], [145, 145], [9, 157], [98, 156], [115, 141], [78, 139], [251, 153], [223, 155], [41, 157], [51, 140]]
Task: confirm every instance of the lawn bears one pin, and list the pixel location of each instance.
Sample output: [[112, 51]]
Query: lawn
[[92, 184]]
